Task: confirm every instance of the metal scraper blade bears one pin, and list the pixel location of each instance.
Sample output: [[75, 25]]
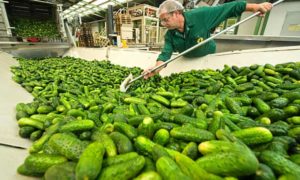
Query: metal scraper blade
[[126, 83]]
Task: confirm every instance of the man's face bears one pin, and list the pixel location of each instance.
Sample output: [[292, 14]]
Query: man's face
[[168, 20]]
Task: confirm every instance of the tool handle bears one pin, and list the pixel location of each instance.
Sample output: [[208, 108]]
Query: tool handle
[[201, 43]]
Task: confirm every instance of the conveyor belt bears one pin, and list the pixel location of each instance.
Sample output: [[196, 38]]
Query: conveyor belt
[[12, 150], [12, 147]]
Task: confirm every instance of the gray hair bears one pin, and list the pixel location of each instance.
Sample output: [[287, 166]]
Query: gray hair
[[169, 6]]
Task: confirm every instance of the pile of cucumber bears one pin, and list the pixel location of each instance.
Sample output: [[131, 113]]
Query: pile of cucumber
[[234, 123], [35, 28]]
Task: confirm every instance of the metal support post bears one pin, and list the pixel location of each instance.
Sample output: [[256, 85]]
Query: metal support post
[[61, 20], [71, 38], [5, 18]]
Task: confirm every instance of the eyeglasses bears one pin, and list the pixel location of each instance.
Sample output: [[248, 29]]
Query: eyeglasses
[[164, 20]]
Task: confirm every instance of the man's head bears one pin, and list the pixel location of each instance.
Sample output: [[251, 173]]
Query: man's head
[[169, 12]]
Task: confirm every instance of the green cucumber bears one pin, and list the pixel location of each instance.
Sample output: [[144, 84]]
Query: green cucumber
[[63, 171], [126, 129], [90, 161], [229, 163], [25, 131], [149, 165], [161, 137], [181, 119], [161, 100], [255, 135], [191, 134], [192, 169], [67, 145], [191, 150], [264, 172], [169, 170], [134, 100], [122, 142], [146, 128], [143, 109], [39, 163], [109, 145], [261, 105], [178, 103], [44, 109], [126, 170], [144, 145], [279, 163], [24, 171], [109, 161], [30, 122], [158, 152], [149, 175], [280, 102], [78, 125], [217, 122]]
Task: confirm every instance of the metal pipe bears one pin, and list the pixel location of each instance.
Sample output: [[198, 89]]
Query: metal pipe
[[45, 2], [70, 35], [5, 19], [110, 20]]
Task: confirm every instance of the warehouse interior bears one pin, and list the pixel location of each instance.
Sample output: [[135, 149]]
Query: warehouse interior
[[63, 64]]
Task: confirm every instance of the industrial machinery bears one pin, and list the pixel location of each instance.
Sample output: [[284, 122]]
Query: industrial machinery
[[144, 18]]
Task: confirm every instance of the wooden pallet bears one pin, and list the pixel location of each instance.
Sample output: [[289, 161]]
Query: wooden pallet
[[123, 19], [100, 41]]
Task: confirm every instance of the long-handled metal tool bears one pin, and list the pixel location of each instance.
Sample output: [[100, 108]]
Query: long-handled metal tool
[[126, 83]]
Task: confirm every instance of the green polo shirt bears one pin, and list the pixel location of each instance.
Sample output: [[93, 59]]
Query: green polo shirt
[[198, 24]]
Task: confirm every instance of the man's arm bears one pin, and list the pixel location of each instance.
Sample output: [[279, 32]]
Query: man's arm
[[165, 55], [158, 62], [262, 7], [213, 16]]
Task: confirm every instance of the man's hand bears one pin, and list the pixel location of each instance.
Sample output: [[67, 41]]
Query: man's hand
[[155, 72], [262, 8]]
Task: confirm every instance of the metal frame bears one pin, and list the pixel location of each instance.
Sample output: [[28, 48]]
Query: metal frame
[[262, 32], [61, 20], [5, 18], [257, 26], [143, 18]]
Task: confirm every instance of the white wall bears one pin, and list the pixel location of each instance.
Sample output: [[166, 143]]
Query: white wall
[[275, 21], [95, 27], [277, 17], [247, 28]]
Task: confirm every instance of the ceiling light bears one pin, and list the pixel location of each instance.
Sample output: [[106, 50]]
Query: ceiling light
[[96, 9], [81, 3], [121, 1], [97, 2], [104, 6], [75, 6]]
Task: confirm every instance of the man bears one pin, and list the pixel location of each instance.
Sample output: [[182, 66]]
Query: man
[[186, 29]]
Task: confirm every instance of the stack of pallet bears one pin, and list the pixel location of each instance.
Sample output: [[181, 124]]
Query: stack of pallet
[[86, 37], [124, 26], [100, 40]]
